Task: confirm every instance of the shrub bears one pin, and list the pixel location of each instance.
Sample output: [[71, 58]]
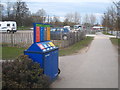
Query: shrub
[[23, 73]]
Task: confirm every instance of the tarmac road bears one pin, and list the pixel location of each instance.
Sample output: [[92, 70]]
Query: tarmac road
[[97, 68]]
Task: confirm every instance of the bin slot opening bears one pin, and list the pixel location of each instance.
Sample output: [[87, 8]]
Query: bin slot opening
[[48, 45], [45, 45]]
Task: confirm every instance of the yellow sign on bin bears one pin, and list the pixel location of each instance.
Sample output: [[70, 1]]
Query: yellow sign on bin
[[51, 44], [48, 33]]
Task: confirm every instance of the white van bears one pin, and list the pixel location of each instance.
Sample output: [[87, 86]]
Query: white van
[[8, 26]]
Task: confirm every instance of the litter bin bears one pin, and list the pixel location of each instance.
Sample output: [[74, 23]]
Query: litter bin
[[44, 52]]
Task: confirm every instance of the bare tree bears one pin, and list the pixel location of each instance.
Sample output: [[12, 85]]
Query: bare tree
[[20, 10], [86, 22], [1, 11], [86, 19], [76, 18], [56, 21], [69, 17], [42, 15], [106, 21], [66, 22], [9, 6], [92, 19], [117, 5], [72, 18], [17, 11], [110, 20]]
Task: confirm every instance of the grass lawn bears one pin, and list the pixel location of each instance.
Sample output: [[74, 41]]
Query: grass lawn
[[0, 52], [23, 28], [76, 47], [9, 53], [106, 33], [115, 41]]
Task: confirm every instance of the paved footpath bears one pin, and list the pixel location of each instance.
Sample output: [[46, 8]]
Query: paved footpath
[[97, 68]]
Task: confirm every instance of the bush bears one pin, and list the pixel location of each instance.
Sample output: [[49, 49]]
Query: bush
[[23, 73]]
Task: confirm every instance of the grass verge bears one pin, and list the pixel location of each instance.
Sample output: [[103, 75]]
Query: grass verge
[[9, 53], [23, 28], [76, 47], [115, 41], [107, 33], [0, 52]]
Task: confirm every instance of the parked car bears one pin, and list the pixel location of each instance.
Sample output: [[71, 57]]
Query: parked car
[[60, 33], [68, 27]]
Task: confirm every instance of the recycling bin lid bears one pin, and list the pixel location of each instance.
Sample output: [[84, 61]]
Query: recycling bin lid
[[42, 47]]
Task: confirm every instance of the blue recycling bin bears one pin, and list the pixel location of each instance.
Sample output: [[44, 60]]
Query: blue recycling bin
[[44, 52]]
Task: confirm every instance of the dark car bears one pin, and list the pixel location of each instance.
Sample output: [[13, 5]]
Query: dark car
[[60, 33]]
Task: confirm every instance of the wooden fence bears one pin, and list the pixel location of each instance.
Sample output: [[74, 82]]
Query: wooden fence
[[21, 39], [26, 39]]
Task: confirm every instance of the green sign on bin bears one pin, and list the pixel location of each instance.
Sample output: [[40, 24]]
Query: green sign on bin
[[41, 25]]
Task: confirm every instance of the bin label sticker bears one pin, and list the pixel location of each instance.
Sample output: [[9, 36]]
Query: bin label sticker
[[51, 44], [41, 46]]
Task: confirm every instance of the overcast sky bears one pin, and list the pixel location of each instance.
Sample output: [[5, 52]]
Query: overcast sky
[[62, 7]]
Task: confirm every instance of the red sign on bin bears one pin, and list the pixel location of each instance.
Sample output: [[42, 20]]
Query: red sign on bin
[[37, 34]]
